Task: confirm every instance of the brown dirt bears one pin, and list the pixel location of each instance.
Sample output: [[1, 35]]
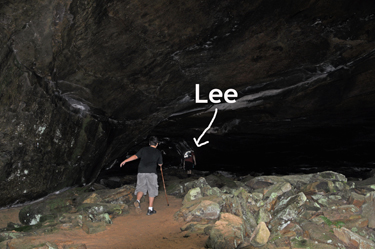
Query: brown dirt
[[9, 215], [133, 230]]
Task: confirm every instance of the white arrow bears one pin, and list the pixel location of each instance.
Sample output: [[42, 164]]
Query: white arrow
[[209, 126]]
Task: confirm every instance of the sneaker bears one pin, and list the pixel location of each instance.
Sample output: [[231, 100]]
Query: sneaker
[[137, 206], [149, 212]]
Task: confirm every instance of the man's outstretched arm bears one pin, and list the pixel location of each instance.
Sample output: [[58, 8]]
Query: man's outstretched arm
[[132, 158]]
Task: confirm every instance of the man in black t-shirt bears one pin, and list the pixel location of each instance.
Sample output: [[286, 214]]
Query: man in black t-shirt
[[147, 179]]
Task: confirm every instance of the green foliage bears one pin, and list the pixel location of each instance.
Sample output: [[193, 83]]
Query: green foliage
[[276, 237], [337, 224], [326, 220]]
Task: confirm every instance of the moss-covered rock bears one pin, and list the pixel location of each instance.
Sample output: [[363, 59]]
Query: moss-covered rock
[[37, 212], [97, 209], [197, 227], [185, 211], [78, 200], [219, 181], [205, 210], [193, 194], [237, 204], [11, 235]]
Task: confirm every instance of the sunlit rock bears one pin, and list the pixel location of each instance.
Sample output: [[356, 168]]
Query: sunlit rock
[[352, 239], [228, 232], [193, 194], [260, 235]]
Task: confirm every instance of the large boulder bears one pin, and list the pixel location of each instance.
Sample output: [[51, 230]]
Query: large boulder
[[205, 208], [352, 239], [199, 183], [218, 180], [260, 235], [193, 194], [368, 210], [287, 210], [175, 188], [298, 181], [228, 232], [111, 201], [237, 204], [121, 195]]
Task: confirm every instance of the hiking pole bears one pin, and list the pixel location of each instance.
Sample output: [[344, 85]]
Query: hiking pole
[[162, 177]]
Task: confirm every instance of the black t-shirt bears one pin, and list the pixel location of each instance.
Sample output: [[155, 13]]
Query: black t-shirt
[[150, 158]]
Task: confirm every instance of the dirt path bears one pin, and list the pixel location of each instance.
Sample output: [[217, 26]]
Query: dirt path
[[131, 231]]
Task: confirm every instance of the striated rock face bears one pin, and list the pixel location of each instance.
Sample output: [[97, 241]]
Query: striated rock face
[[82, 82]]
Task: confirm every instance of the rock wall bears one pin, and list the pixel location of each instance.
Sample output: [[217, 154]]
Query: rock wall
[[44, 147]]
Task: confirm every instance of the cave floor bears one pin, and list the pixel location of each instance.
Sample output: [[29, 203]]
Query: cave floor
[[130, 231]]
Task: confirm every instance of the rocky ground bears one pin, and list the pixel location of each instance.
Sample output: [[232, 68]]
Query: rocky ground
[[321, 210]]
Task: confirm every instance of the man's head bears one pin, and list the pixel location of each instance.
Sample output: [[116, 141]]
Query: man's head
[[153, 141]]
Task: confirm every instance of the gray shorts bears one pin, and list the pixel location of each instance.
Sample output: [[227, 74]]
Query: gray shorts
[[147, 182]]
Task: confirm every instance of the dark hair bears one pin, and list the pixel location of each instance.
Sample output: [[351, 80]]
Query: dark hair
[[153, 140]]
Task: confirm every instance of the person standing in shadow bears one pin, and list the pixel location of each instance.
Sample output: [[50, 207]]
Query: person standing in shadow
[[189, 161]]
